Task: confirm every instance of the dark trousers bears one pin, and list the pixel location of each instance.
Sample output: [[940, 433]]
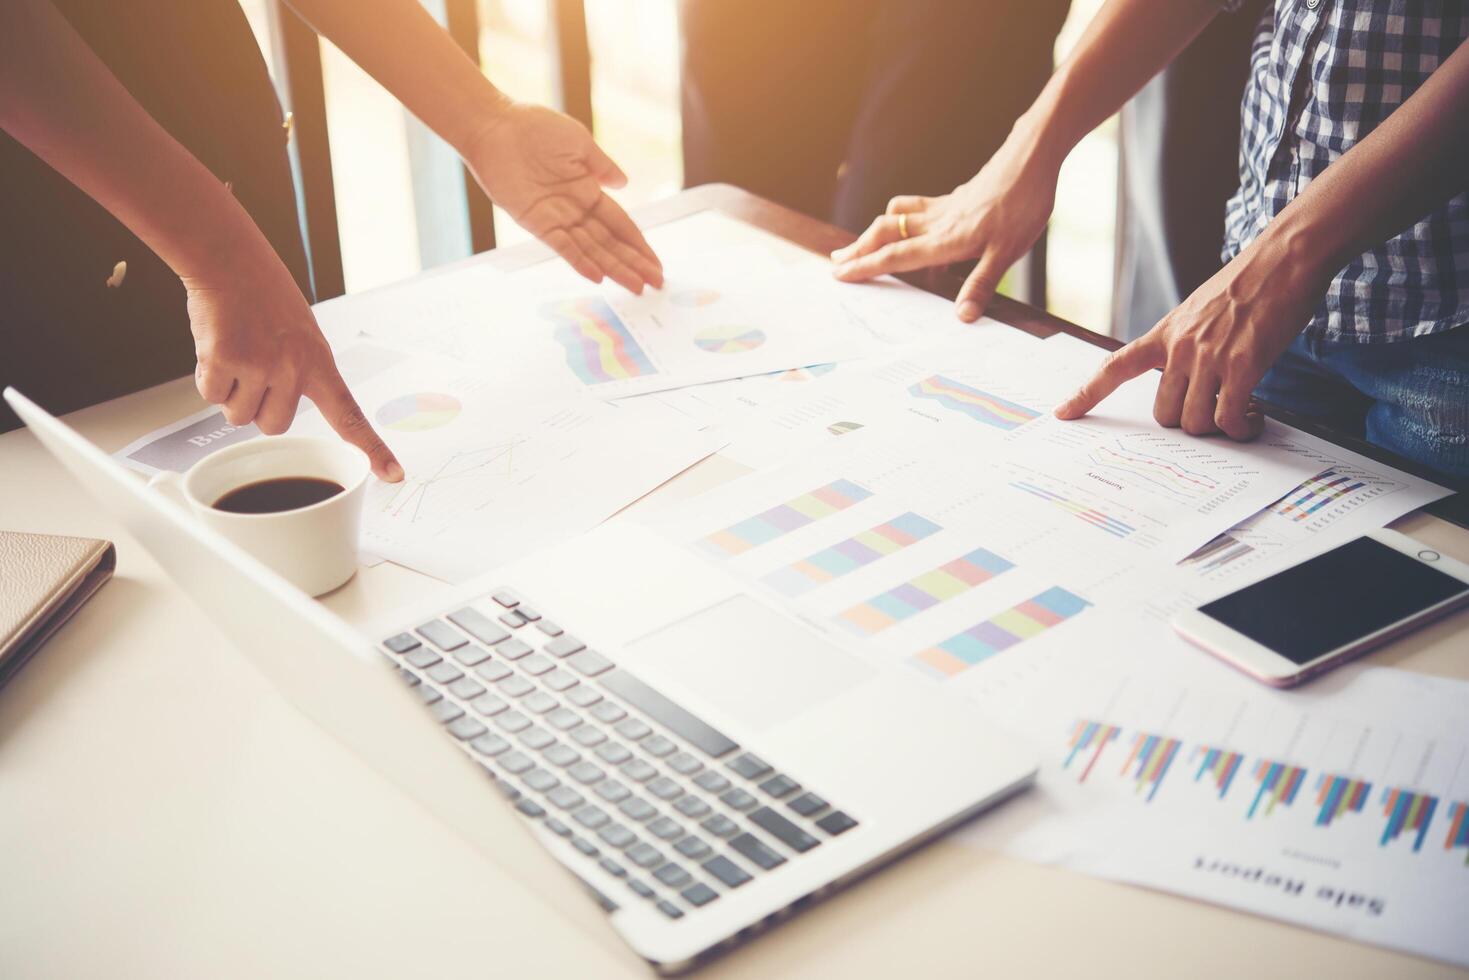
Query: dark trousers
[[835, 106]]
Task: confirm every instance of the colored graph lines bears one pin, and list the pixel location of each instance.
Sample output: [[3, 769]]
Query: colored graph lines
[[1151, 757], [855, 552], [1089, 737], [599, 348], [1336, 795], [1316, 493], [1458, 835], [951, 579], [783, 519], [1000, 632], [1159, 471], [1279, 784], [416, 493], [1220, 765], [1094, 517], [981, 406], [1406, 810]]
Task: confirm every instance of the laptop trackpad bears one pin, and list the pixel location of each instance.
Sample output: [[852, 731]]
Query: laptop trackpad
[[749, 662]]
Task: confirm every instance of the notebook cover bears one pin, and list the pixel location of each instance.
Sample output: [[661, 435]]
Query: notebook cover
[[44, 579]]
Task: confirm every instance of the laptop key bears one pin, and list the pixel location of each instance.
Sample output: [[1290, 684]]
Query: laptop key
[[588, 736], [510, 721], [590, 662], [783, 830], [583, 696], [401, 643], [513, 619], [669, 909], [471, 654], [731, 874], [515, 762], [489, 744], [563, 719], [489, 705], [516, 686], [540, 780], [808, 804], [585, 773], [618, 836], [536, 738], [585, 846], [612, 791], [749, 766], [637, 809], [836, 822], [513, 649], [591, 817], [529, 613], [667, 713], [506, 598], [737, 799], [711, 781], [779, 786], [761, 856], [428, 694], [673, 876], [557, 827], [565, 798], [692, 807], [422, 657], [540, 702], [613, 754], [537, 664], [564, 646], [644, 855], [559, 680], [466, 728], [492, 671], [665, 788], [657, 746], [549, 628], [562, 755], [683, 763], [693, 847], [478, 625], [639, 889], [699, 894], [720, 826], [612, 867], [633, 729], [638, 771], [445, 711], [441, 635], [444, 672], [409, 677], [466, 689], [607, 712], [665, 828], [530, 808]]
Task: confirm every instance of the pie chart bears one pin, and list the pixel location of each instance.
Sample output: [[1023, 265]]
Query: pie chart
[[728, 340], [418, 412]]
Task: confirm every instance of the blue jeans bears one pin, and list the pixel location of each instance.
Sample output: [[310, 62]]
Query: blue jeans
[[1409, 396]]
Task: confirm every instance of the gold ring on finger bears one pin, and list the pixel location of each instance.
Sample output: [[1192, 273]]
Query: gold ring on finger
[[903, 225]]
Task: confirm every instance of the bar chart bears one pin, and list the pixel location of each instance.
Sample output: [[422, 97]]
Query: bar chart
[[948, 581], [782, 519], [1000, 632], [847, 556]]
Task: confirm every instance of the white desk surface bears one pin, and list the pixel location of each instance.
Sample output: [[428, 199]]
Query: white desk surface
[[164, 814]]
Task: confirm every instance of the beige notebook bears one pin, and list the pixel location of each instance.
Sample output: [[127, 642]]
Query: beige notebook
[[44, 579]]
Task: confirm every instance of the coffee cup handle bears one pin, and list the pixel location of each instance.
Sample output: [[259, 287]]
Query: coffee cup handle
[[171, 485]]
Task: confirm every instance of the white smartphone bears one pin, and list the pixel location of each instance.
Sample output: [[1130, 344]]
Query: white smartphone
[[1313, 616]]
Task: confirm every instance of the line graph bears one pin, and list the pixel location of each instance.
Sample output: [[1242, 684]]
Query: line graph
[[411, 500], [1164, 472]]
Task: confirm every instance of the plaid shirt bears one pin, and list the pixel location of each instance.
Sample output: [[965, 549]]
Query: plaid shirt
[[1323, 75]]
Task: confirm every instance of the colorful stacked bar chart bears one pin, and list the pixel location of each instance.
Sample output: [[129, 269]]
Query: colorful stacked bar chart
[[1316, 493], [937, 585], [1093, 736], [1220, 765], [1000, 632], [1336, 795], [847, 556], [1091, 515], [783, 519], [598, 346], [1406, 810], [981, 406], [1458, 835], [1151, 756], [1279, 784]]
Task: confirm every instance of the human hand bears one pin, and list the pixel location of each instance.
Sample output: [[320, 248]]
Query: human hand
[[994, 217], [1217, 345], [545, 170], [259, 350]]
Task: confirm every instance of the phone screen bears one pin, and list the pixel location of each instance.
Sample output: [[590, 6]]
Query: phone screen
[[1333, 599]]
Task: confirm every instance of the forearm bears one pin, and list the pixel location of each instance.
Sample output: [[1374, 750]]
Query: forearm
[[1412, 162], [60, 101], [398, 43], [1126, 43]]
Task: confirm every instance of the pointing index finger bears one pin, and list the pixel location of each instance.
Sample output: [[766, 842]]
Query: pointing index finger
[[1121, 365], [345, 416]]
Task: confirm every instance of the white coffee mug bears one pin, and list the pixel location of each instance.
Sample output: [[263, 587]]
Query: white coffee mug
[[313, 547]]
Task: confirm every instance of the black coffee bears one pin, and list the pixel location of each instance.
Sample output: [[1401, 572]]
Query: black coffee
[[274, 496]]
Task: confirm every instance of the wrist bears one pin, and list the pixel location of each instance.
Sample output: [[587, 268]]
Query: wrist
[[482, 114], [1304, 244]]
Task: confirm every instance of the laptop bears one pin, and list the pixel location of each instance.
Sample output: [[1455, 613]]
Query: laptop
[[702, 762]]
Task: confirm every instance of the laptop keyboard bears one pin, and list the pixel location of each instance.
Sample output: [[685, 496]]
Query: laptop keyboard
[[635, 782]]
